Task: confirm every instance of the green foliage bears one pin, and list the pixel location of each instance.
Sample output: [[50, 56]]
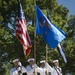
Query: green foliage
[[70, 43], [11, 48]]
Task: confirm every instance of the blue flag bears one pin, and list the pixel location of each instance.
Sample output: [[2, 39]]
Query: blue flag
[[51, 34]]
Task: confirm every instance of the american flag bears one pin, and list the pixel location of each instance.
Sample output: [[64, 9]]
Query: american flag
[[21, 30]]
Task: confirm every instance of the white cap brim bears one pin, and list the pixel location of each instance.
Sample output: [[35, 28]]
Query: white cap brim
[[15, 60], [55, 61], [43, 61], [31, 59]]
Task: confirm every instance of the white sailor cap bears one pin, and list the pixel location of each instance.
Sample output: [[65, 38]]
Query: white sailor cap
[[43, 61], [55, 61], [31, 59], [15, 60]]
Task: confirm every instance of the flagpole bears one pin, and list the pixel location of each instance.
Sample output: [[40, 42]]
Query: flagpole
[[34, 32], [46, 44], [46, 53]]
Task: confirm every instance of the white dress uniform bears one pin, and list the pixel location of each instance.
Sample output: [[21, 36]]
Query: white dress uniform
[[30, 70], [54, 70], [41, 71], [14, 71]]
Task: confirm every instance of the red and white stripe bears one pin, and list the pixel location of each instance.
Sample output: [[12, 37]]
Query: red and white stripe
[[22, 34]]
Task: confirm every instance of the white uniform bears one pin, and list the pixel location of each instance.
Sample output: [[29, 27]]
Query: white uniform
[[41, 70], [14, 71], [30, 70], [54, 70]]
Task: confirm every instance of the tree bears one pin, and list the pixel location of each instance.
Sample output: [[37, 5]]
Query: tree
[[11, 48], [70, 43]]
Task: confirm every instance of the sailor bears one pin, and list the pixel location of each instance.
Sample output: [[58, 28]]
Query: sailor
[[42, 70], [18, 68], [31, 67], [56, 69]]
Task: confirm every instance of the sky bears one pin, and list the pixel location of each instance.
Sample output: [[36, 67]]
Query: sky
[[70, 4]]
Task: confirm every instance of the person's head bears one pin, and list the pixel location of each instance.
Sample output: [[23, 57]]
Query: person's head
[[42, 63], [56, 63], [15, 62], [31, 61]]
